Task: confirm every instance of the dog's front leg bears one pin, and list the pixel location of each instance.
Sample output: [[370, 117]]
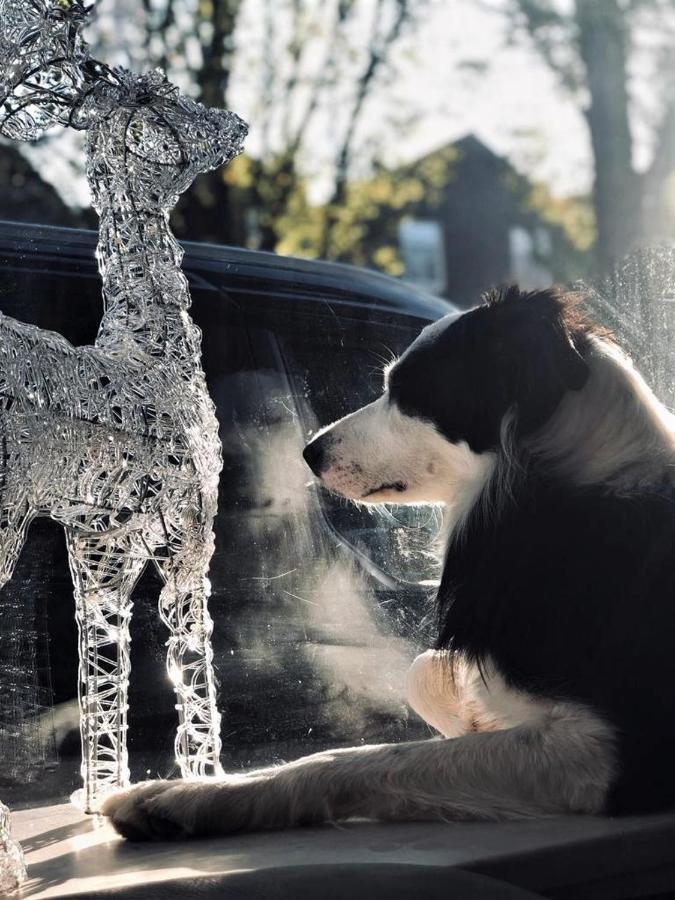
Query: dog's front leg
[[327, 786], [563, 764]]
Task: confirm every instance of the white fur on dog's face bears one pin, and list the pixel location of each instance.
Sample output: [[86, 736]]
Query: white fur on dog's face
[[378, 454]]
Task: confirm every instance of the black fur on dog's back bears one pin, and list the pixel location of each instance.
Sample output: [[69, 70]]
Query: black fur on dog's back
[[571, 592]]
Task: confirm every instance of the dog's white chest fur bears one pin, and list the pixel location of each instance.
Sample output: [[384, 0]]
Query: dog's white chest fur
[[459, 699]]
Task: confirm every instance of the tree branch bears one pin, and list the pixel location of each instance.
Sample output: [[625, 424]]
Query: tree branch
[[379, 47]]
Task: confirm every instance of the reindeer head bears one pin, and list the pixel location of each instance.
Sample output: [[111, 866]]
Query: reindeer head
[[43, 63], [148, 141]]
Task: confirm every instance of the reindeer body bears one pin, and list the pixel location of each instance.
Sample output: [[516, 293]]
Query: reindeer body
[[77, 433], [76, 422], [119, 441]]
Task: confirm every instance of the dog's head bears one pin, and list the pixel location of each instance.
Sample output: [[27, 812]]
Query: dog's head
[[438, 424]]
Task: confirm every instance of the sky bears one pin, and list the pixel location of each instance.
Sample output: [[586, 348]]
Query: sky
[[457, 72], [512, 102]]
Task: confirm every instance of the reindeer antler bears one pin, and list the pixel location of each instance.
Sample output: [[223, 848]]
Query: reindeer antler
[[44, 65]]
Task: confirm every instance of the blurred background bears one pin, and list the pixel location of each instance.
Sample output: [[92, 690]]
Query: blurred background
[[455, 143]]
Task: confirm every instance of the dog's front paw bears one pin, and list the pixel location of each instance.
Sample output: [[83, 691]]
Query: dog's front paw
[[156, 810]]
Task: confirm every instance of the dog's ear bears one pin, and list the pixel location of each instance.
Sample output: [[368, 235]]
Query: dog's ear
[[540, 360], [572, 367]]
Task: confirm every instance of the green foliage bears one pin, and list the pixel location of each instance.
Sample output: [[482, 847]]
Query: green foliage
[[362, 230], [574, 215]]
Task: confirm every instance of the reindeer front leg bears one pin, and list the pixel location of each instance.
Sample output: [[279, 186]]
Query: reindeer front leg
[[183, 608]]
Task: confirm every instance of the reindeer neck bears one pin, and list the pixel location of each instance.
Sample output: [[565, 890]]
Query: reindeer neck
[[146, 296]]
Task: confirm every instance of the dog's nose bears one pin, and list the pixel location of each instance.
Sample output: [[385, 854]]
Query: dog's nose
[[314, 454]]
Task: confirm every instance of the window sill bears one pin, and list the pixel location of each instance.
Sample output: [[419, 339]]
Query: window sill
[[69, 854]]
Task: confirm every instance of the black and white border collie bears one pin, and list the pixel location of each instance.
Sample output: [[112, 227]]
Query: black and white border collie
[[553, 680]]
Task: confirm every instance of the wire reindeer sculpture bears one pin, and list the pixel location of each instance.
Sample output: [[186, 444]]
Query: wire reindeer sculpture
[[117, 441]]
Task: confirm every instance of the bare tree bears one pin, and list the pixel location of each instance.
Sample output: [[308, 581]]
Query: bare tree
[[380, 43], [290, 104], [589, 45], [341, 47], [207, 210], [305, 65]]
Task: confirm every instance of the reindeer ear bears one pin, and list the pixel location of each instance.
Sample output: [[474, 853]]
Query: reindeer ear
[[94, 105]]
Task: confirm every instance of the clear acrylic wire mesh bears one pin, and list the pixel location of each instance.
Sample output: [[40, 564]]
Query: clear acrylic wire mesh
[[117, 441]]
